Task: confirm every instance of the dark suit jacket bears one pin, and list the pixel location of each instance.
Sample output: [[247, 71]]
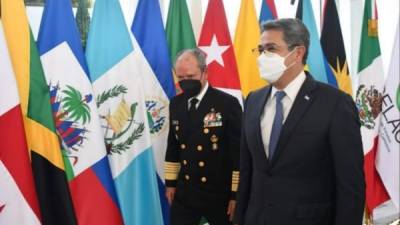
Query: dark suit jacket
[[206, 147], [316, 174]]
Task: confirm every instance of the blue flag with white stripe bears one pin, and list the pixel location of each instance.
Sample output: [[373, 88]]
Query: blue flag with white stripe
[[148, 29], [75, 115], [120, 96]]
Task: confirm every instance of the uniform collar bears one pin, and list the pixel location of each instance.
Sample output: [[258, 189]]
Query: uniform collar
[[201, 94]]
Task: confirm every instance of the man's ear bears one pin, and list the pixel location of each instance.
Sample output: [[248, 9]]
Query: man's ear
[[300, 53], [205, 74]]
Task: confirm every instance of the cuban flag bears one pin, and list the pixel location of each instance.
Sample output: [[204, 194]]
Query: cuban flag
[[76, 117], [120, 97]]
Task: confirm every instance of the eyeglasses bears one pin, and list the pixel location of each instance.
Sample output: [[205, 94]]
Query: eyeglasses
[[259, 50], [263, 49]]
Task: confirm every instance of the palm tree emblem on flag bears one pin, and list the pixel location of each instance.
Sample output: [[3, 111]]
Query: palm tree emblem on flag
[[71, 113], [121, 129], [369, 104]]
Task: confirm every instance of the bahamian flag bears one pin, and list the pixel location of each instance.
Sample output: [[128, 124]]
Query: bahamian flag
[[316, 62], [268, 10], [120, 99], [75, 114], [154, 66]]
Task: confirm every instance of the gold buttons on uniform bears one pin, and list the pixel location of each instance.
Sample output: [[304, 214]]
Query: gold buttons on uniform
[[199, 148], [201, 163], [183, 146], [176, 128], [187, 177], [206, 130], [203, 179], [184, 162]]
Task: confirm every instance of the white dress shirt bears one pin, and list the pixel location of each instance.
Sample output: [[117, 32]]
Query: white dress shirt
[[267, 117], [199, 96]]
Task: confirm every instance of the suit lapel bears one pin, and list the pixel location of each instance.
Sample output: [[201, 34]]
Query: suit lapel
[[303, 100], [183, 115], [258, 110]]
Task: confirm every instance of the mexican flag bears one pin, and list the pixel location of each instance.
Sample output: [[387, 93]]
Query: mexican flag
[[369, 102]]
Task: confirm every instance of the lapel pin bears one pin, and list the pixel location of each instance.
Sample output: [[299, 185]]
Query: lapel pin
[[306, 97]]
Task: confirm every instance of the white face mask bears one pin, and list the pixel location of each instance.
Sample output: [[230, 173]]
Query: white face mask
[[272, 66]]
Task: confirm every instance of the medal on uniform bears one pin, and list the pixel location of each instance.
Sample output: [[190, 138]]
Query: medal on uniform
[[213, 119], [214, 140]]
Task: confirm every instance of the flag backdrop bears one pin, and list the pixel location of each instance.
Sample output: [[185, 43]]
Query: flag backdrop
[[387, 159], [247, 37], [369, 103], [333, 47], [317, 65], [215, 42], [268, 11], [18, 201], [154, 66], [120, 99], [75, 116], [179, 28], [47, 162]]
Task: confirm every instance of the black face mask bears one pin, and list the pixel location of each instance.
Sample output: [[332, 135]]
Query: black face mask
[[190, 87]]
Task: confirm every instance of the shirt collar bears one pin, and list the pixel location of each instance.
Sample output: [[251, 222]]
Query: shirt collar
[[292, 88], [201, 94]]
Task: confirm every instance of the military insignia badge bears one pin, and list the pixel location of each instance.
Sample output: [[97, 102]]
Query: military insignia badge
[[213, 119], [214, 140]]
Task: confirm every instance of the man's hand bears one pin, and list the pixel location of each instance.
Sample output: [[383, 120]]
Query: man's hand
[[170, 194], [231, 209]]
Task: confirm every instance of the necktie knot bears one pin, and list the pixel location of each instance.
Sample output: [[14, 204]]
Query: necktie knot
[[279, 95], [193, 103]]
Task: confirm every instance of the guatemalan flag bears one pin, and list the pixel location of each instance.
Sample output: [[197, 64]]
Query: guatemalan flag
[[120, 98], [154, 63], [76, 117]]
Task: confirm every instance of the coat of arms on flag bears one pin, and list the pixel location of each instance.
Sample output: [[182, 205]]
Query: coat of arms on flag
[[369, 104], [71, 113], [121, 129], [157, 111]]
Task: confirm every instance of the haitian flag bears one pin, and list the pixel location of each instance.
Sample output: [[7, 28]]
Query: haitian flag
[[76, 118]]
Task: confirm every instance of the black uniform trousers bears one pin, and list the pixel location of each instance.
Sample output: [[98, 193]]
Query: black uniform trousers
[[184, 214]]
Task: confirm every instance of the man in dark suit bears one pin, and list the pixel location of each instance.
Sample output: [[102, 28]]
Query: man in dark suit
[[301, 151], [202, 158]]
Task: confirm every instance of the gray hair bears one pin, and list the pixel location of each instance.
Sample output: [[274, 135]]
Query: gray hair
[[198, 54], [295, 33]]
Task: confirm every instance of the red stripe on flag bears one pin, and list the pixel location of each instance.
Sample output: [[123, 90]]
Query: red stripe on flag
[[92, 203], [271, 5], [14, 154], [376, 193]]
